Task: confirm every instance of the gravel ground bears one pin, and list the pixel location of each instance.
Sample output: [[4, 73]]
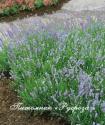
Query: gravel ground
[[81, 5]]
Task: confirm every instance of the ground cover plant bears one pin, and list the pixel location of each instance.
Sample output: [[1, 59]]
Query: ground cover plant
[[61, 71], [8, 7]]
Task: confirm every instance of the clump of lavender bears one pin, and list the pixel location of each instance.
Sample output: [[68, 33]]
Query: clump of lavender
[[85, 83], [51, 68]]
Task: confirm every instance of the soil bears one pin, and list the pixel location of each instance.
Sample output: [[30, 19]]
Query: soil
[[40, 11], [9, 117]]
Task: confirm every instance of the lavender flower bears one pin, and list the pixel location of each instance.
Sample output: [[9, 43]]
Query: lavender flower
[[1, 42], [62, 36], [66, 93], [103, 71], [83, 26], [10, 33], [85, 83], [80, 63], [10, 46], [38, 64], [103, 106], [89, 19], [69, 73], [95, 102]]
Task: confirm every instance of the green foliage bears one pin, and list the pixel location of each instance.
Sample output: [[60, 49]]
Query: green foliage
[[14, 9], [4, 59], [39, 3], [25, 5], [63, 74], [6, 12], [55, 1]]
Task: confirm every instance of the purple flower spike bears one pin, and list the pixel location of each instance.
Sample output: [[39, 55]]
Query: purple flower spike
[[85, 83], [10, 34], [89, 19], [103, 106], [1, 42]]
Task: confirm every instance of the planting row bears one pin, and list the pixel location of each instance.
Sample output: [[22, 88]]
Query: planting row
[[14, 6], [67, 75]]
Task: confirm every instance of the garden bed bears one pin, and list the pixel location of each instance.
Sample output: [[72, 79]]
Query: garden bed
[[39, 11], [64, 71]]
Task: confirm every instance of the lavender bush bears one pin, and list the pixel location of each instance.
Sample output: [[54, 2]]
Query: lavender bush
[[64, 71]]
